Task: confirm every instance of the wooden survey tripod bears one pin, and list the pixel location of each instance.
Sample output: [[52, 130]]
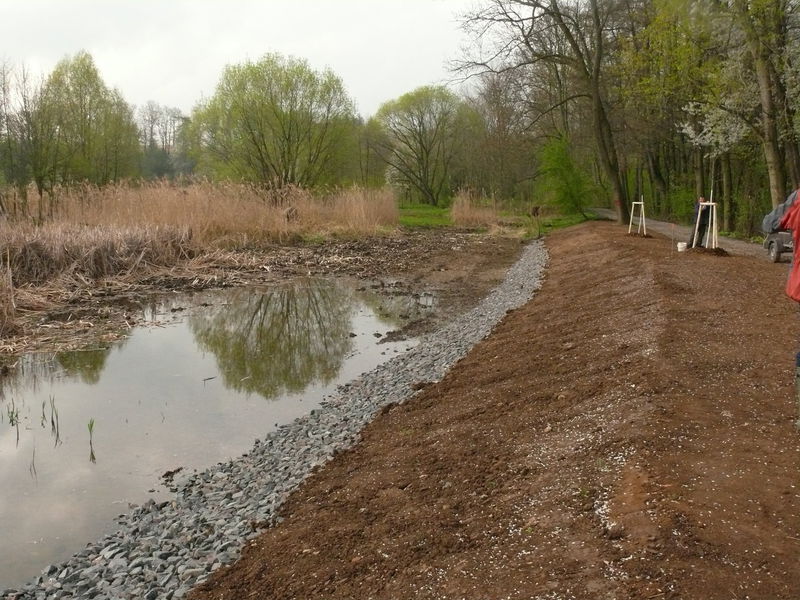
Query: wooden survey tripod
[[642, 222], [713, 231]]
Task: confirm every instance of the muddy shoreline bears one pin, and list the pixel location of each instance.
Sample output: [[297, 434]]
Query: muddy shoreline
[[169, 546], [458, 266]]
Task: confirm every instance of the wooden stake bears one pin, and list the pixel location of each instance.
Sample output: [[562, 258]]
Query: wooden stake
[[642, 220], [713, 229]]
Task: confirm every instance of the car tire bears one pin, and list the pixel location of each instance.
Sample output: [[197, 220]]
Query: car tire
[[774, 252]]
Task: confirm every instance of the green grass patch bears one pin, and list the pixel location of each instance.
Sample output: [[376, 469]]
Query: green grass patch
[[553, 222], [424, 215], [755, 239], [561, 221], [313, 239]]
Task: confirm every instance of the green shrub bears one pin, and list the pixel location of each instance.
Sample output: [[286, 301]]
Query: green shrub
[[563, 183]]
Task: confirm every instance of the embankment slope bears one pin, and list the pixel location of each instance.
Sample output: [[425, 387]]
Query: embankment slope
[[626, 434]]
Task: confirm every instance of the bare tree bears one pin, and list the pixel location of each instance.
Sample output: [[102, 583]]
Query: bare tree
[[151, 116], [568, 36]]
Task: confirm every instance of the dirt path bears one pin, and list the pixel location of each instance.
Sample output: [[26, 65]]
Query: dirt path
[[627, 434], [680, 233]]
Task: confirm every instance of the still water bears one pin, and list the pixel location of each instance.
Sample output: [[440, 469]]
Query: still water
[[83, 434]]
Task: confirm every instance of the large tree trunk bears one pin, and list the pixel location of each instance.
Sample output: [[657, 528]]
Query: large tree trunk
[[760, 52], [780, 63], [588, 66], [608, 148], [787, 112], [610, 164], [772, 151]]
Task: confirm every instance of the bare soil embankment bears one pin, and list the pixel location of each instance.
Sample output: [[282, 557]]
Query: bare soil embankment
[[626, 434]]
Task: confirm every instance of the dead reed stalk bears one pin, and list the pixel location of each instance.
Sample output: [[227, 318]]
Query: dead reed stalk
[[223, 214], [7, 304], [93, 233], [469, 209]]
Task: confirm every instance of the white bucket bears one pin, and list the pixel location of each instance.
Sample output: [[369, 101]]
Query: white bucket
[[681, 246]]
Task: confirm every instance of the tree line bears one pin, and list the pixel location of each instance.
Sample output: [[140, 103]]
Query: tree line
[[662, 98], [575, 102], [71, 128], [274, 122]]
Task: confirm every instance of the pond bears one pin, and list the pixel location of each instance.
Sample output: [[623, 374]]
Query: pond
[[84, 434]]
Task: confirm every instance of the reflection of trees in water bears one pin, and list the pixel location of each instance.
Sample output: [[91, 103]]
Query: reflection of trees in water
[[36, 369], [279, 341], [396, 306], [86, 365]]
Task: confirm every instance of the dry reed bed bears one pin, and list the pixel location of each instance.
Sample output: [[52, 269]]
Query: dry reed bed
[[469, 209], [227, 213], [7, 302], [36, 255], [126, 231]]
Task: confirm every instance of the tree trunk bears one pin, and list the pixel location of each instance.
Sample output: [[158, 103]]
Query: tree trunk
[[608, 155], [588, 67], [656, 181], [727, 192], [786, 109], [771, 141], [699, 175], [790, 142]]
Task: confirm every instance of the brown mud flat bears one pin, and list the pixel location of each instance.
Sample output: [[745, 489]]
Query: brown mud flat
[[458, 266], [626, 434]]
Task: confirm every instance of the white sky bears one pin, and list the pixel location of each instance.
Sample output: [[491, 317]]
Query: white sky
[[173, 51]]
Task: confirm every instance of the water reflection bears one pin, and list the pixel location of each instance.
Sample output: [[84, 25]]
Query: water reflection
[[38, 369], [266, 342], [185, 392], [280, 340], [396, 306], [87, 365]]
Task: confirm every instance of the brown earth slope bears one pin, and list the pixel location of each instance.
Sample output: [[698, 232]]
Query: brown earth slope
[[626, 434]]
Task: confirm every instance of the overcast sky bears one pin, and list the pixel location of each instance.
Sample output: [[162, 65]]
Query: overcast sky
[[173, 51]]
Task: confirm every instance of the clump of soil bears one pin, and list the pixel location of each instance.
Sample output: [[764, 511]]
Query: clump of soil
[[710, 251], [627, 434]]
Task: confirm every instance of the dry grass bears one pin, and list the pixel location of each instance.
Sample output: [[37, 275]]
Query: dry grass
[[35, 255], [7, 304], [471, 210], [224, 213], [93, 233], [122, 234]]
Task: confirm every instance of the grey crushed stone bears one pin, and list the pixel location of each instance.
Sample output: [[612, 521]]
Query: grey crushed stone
[[162, 550]]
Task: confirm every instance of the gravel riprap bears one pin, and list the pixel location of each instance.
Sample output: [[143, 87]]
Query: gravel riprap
[[161, 550]]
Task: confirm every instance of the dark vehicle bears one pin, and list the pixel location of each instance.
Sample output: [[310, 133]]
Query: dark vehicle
[[777, 243]]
